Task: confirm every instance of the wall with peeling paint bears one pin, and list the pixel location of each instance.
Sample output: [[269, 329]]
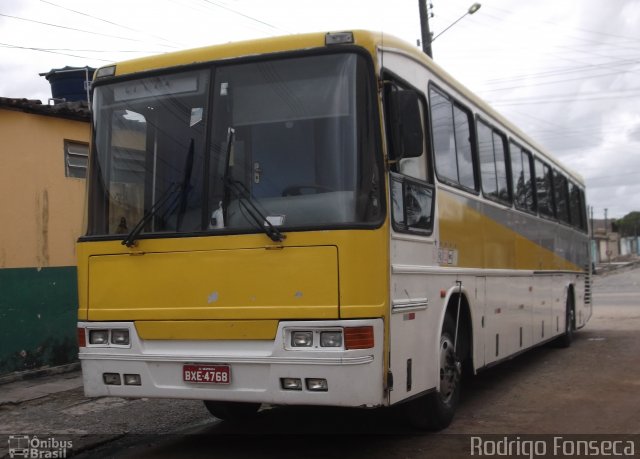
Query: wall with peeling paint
[[40, 219]]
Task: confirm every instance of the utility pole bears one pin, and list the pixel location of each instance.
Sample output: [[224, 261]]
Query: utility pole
[[606, 235], [594, 249], [424, 28], [427, 36]]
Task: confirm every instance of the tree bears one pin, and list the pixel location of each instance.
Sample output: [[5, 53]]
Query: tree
[[629, 225]]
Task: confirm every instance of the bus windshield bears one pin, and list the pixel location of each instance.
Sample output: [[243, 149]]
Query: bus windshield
[[304, 150]]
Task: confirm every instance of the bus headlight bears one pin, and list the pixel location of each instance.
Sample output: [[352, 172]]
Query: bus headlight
[[120, 337], [302, 339], [98, 336], [331, 338]]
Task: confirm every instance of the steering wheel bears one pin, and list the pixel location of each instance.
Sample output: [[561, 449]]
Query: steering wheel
[[296, 190]]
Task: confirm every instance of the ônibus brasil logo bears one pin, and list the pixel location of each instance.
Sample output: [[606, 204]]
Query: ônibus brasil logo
[[38, 448]]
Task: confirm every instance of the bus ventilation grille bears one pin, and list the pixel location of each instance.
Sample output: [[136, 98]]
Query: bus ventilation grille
[[587, 289]]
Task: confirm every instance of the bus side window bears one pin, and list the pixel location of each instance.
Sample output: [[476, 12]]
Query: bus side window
[[583, 212], [561, 196], [493, 168], [522, 178], [575, 216], [451, 124], [544, 189]]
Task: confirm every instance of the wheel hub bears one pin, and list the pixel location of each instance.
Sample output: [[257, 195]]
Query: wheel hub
[[449, 369]]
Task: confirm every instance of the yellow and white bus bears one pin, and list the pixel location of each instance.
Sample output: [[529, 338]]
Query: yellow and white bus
[[322, 219]]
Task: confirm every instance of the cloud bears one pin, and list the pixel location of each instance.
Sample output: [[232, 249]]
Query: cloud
[[564, 72], [634, 134], [568, 78]]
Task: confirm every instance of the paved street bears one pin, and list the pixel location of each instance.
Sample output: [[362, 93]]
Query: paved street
[[591, 388]]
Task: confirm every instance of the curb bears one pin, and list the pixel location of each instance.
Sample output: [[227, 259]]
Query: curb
[[39, 373]]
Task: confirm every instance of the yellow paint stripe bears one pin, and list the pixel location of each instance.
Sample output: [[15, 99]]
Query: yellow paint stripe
[[482, 242]]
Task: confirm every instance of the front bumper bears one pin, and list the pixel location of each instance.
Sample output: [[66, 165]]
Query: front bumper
[[354, 377]]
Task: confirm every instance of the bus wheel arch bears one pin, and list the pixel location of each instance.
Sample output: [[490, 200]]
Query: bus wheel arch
[[566, 338], [436, 409], [465, 329]]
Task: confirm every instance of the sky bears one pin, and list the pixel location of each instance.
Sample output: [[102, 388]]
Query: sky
[[564, 71]]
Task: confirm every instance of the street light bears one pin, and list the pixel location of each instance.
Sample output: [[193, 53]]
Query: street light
[[424, 22]]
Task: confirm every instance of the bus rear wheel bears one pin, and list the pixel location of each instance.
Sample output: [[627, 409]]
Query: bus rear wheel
[[232, 411], [435, 411], [565, 340]]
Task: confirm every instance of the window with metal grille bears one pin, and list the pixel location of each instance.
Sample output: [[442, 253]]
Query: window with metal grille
[[76, 158]]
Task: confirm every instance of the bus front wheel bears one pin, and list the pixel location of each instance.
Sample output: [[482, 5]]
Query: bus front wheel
[[231, 411], [435, 410]]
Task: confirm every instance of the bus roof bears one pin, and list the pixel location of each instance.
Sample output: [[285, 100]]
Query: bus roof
[[392, 43], [371, 41]]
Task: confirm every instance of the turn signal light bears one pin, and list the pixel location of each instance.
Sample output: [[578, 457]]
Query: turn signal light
[[358, 337], [82, 337], [108, 71]]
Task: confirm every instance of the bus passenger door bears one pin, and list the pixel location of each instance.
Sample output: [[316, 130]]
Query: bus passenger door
[[414, 318]]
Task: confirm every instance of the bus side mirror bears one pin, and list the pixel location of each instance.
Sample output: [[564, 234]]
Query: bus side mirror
[[405, 124]]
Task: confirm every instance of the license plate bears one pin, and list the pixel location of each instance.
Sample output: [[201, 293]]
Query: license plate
[[208, 374]]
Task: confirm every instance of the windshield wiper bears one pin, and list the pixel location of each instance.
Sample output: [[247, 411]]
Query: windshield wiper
[[186, 181], [130, 240], [165, 198], [244, 196]]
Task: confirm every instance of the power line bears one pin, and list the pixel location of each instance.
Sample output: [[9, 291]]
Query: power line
[[42, 50], [211, 2], [138, 51], [108, 22], [72, 28], [544, 83], [561, 71], [579, 29], [550, 99], [594, 46]]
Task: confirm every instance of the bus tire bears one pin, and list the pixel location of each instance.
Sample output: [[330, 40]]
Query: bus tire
[[232, 411], [435, 410], [565, 340]]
